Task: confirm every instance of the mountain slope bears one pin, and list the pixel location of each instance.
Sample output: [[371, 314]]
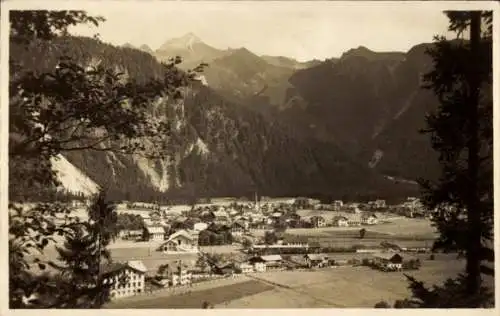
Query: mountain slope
[[373, 106], [218, 147], [238, 74]]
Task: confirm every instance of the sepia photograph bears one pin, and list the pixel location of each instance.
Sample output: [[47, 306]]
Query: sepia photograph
[[248, 154]]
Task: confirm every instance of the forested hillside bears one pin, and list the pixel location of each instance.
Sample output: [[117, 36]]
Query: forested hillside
[[372, 105], [216, 147]]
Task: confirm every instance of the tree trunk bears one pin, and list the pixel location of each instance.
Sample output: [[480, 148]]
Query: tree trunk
[[473, 208]]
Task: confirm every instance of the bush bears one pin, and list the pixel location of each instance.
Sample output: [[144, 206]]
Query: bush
[[382, 304]]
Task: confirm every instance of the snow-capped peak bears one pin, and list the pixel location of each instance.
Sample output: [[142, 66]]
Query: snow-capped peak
[[186, 41]]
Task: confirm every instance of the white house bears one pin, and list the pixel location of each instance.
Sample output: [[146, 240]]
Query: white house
[[369, 219], [221, 217], [181, 241], [200, 226], [237, 229], [259, 267], [154, 233], [318, 221], [316, 260], [340, 221], [246, 267], [178, 275], [354, 220], [127, 278], [269, 262]]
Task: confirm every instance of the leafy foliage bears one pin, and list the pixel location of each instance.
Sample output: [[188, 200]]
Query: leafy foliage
[[382, 304], [129, 222], [64, 106], [270, 238]]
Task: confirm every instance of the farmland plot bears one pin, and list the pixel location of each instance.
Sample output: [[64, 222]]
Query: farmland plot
[[341, 287]]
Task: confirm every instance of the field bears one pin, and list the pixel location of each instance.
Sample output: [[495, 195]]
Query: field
[[322, 288], [195, 299], [342, 286], [404, 232]]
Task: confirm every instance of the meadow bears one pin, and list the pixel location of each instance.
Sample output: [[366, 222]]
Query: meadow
[[195, 298], [343, 287], [337, 287]]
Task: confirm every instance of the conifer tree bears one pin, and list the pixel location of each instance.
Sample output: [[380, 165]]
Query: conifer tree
[[462, 133]]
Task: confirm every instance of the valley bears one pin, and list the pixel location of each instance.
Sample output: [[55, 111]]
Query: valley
[[330, 135]]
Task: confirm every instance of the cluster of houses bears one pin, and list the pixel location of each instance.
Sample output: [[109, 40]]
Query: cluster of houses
[[412, 208], [241, 217], [129, 278]]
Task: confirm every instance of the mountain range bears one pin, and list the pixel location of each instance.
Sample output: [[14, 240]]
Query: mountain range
[[345, 127]]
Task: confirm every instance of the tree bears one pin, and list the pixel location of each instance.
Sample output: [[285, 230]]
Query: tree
[[202, 263], [382, 304], [69, 109], [246, 243], [270, 238], [362, 233], [461, 131], [280, 226], [77, 280]]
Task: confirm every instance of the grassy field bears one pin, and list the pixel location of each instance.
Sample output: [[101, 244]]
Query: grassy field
[[322, 288], [343, 286], [405, 232], [195, 299]]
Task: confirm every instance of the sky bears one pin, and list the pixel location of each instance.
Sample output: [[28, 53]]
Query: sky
[[301, 30]]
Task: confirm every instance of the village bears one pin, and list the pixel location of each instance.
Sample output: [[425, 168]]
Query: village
[[188, 245]]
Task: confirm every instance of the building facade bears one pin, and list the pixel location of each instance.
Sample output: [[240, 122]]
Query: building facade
[[127, 278]]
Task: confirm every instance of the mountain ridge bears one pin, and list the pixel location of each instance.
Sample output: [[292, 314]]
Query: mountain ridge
[[216, 150]]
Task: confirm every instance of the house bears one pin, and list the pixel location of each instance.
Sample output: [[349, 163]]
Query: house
[[127, 278], [200, 226], [258, 225], [340, 221], [237, 228], [270, 261], [316, 260], [369, 219], [388, 261], [181, 241], [221, 217], [153, 233], [130, 233], [318, 221], [233, 212], [178, 275], [259, 267], [276, 214], [354, 220], [246, 267], [226, 268], [337, 205], [380, 204]]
